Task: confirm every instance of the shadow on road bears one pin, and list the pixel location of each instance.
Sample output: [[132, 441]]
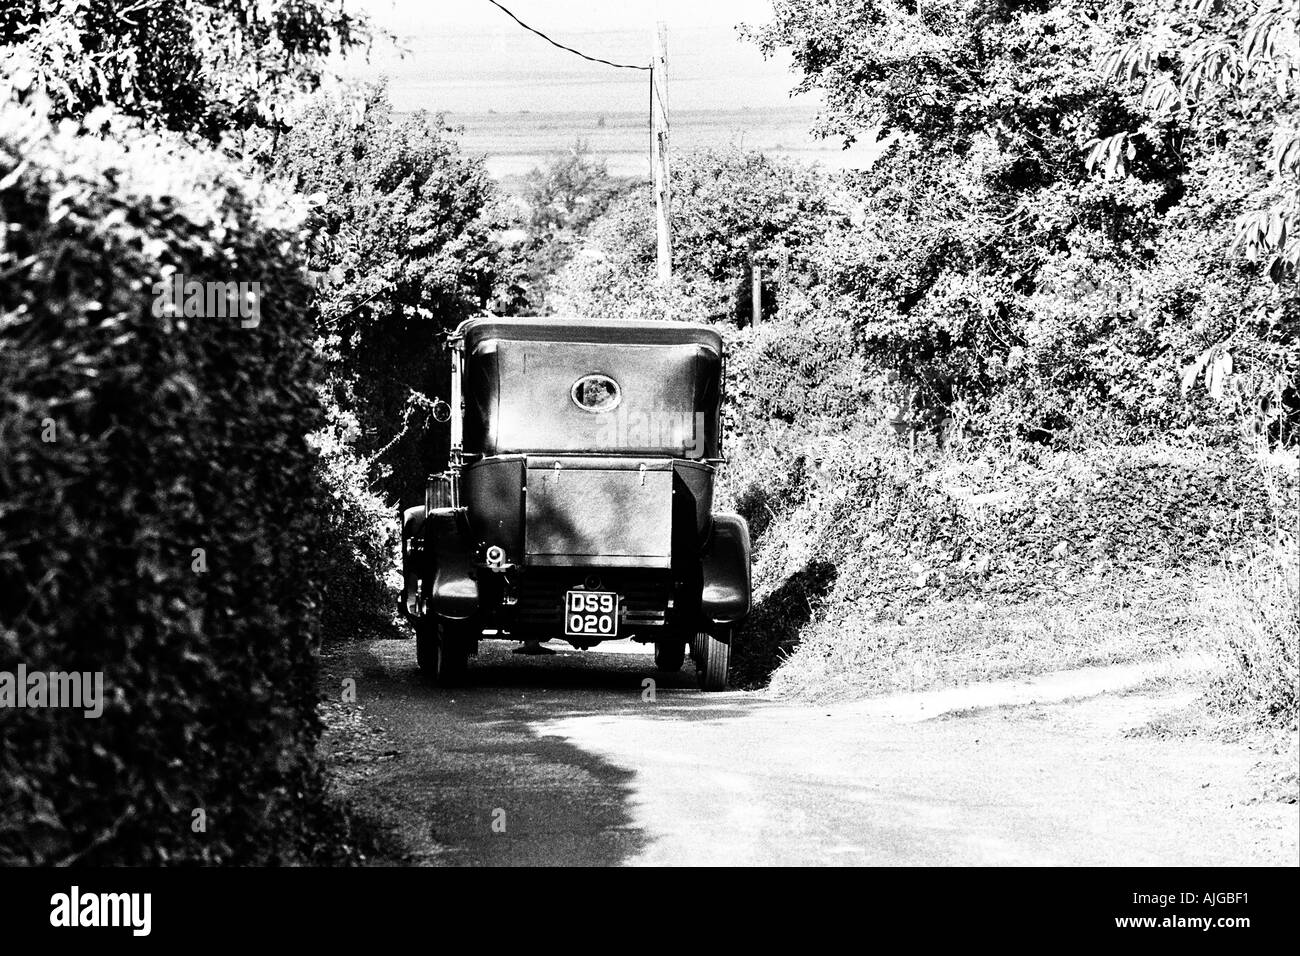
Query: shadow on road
[[469, 776]]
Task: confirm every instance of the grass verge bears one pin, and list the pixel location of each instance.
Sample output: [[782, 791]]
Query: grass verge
[[953, 642]]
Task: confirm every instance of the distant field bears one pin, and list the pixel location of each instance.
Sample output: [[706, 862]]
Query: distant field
[[514, 143]]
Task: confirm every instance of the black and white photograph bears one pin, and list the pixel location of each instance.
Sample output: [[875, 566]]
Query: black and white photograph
[[733, 434]]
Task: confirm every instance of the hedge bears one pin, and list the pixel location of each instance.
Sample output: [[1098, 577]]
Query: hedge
[[128, 441]]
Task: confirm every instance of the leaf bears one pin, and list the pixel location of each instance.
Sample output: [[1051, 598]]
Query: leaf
[[14, 175], [1193, 370], [1217, 374], [1288, 157]]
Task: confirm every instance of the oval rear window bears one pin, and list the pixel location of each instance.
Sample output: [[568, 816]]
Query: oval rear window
[[596, 393]]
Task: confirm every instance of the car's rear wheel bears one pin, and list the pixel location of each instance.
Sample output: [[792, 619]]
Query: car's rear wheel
[[442, 650], [697, 646], [670, 654], [413, 566], [713, 660]]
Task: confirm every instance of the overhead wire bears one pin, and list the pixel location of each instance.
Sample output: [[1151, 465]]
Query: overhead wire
[[593, 59], [569, 49]]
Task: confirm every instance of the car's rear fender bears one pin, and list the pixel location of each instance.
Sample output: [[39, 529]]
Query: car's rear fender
[[725, 596], [439, 550]]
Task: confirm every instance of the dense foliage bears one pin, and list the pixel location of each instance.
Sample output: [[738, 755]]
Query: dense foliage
[[569, 192], [158, 508], [729, 208], [212, 67], [404, 249], [560, 201], [1020, 270], [358, 543], [857, 537], [1227, 72]]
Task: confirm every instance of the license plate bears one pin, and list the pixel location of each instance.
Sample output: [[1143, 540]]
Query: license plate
[[588, 613]]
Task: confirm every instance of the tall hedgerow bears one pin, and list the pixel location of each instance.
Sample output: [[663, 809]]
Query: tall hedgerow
[[158, 508]]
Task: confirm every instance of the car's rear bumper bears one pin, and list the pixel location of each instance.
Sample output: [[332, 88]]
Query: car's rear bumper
[[530, 601]]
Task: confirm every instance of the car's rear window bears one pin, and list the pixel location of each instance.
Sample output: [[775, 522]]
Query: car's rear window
[[540, 396]]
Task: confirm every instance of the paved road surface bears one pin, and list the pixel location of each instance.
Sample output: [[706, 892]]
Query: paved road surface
[[562, 760]]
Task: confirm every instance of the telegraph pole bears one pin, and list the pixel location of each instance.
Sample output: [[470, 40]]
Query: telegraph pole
[[659, 147]]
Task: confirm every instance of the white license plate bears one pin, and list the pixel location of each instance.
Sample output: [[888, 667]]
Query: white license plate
[[591, 613]]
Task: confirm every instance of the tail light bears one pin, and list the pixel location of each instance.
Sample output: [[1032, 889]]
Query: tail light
[[437, 493]]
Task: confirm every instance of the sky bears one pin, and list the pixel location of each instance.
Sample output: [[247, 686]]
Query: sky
[[468, 56]]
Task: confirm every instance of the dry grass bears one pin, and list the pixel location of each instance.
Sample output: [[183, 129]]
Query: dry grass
[[879, 573], [1252, 612], [1253, 623], [961, 642]]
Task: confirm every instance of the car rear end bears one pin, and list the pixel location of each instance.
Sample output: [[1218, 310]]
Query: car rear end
[[592, 486]]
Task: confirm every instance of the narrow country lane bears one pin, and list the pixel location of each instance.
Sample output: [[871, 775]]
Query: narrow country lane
[[562, 759]]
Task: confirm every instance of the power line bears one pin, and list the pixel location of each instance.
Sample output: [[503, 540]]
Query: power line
[[569, 49]]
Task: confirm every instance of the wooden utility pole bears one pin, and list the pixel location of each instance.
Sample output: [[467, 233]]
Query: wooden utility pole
[[659, 146]]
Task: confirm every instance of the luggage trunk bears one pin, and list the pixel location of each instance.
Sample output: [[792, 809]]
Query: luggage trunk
[[608, 512]]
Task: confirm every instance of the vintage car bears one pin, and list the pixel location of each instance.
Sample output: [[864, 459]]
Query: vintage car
[[578, 502]]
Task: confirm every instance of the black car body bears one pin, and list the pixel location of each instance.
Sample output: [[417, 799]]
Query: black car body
[[579, 498]]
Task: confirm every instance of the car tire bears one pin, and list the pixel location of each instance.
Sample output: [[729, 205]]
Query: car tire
[[412, 565], [669, 655], [713, 661], [442, 651], [697, 646]]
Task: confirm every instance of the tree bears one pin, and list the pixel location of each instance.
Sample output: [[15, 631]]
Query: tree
[[562, 199], [1230, 73], [729, 206], [404, 252], [995, 269], [202, 66], [570, 191]]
